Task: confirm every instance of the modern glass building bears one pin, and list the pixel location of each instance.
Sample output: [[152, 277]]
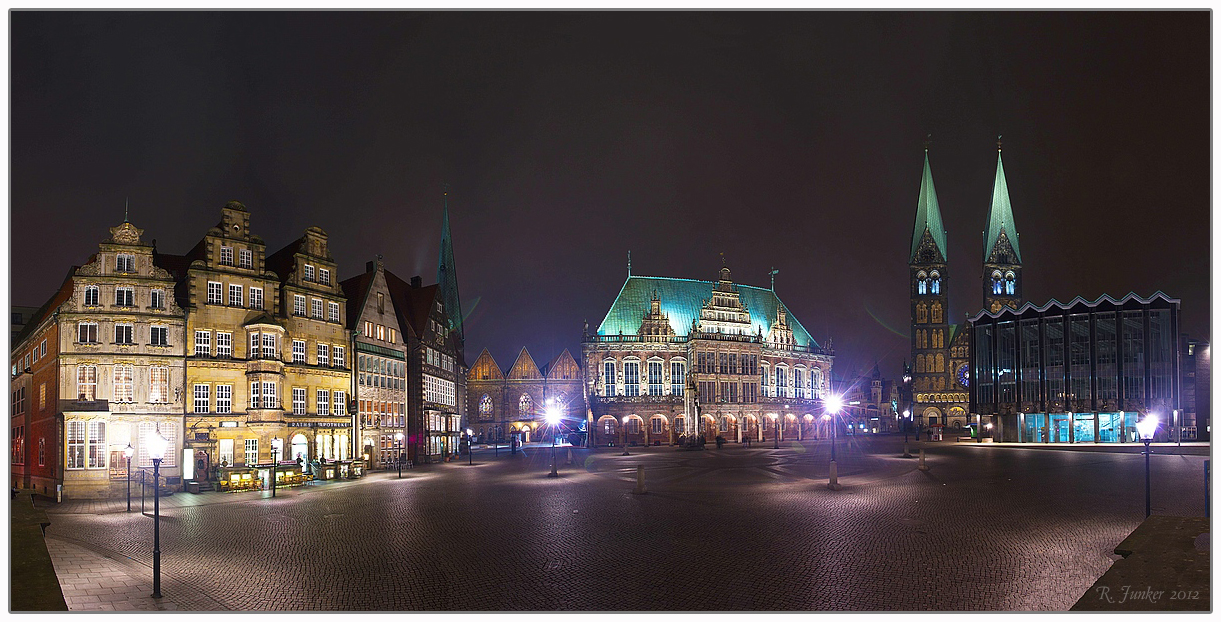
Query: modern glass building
[[1082, 372]]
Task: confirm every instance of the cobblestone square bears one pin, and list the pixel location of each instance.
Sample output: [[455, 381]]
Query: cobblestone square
[[985, 528]]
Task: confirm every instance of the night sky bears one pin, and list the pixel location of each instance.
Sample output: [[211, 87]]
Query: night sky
[[791, 140]]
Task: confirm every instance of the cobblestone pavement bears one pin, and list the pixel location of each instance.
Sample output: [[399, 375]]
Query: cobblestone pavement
[[731, 529]]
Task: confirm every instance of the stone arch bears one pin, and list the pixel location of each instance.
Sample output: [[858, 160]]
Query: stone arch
[[936, 313], [932, 415], [940, 366], [659, 429], [922, 313]]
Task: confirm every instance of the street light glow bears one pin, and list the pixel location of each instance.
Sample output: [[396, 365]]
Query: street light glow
[[834, 403], [1147, 427], [156, 445], [398, 436], [553, 415]]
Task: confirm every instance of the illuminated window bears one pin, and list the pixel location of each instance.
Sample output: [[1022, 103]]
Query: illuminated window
[[316, 308], [124, 297], [678, 377], [91, 296], [224, 344], [324, 276], [86, 382], [921, 283], [298, 350], [631, 378], [298, 304], [633, 425], [256, 298], [245, 258], [226, 255], [298, 400], [341, 404], [123, 334], [657, 425], [1010, 283], [157, 299], [324, 354], [159, 335], [87, 332], [485, 405], [324, 401], [224, 398], [201, 400], [123, 385], [252, 451], [125, 263], [525, 406], [309, 272], [158, 384], [997, 284], [333, 311], [934, 283], [214, 293]]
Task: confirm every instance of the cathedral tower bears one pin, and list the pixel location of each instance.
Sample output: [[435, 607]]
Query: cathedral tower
[[930, 334], [1002, 276], [447, 278]]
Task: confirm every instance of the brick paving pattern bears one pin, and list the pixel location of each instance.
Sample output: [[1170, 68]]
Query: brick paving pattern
[[735, 529]]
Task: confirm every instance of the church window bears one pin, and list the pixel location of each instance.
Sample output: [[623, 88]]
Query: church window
[[937, 313], [921, 283], [921, 313], [934, 283], [940, 362], [997, 286], [1010, 283], [485, 406], [525, 406]]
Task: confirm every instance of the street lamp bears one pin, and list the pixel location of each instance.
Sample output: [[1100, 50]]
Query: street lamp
[[775, 432], [127, 453], [276, 446], [553, 419], [398, 446], [1146, 428], [470, 446], [906, 419], [834, 403], [156, 450]]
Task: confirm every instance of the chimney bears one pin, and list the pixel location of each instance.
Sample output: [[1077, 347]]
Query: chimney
[[415, 282], [370, 266]]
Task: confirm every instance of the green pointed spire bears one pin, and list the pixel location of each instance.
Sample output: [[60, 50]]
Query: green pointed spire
[[1001, 217], [447, 274], [928, 214]]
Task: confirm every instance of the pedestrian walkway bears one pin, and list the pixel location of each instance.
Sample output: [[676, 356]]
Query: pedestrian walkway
[[186, 499], [94, 582], [1194, 448]]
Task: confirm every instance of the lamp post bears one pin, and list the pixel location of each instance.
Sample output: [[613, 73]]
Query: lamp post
[[1147, 427], [127, 453], [988, 427], [906, 424], [775, 432], [553, 420], [470, 446], [833, 404], [276, 445], [398, 446], [156, 450]]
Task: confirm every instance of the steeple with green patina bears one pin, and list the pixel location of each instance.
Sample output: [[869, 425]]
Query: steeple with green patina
[[930, 327], [447, 277], [1002, 274]]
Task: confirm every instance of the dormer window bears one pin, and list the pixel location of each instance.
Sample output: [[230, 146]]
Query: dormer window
[[226, 255], [324, 276], [91, 296], [125, 263], [245, 258], [309, 272]]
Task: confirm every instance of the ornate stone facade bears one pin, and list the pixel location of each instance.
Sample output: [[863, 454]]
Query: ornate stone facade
[[730, 357], [503, 405]]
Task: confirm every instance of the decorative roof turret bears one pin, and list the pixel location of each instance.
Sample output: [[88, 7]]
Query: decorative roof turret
[[928, 214], [1000, 218]]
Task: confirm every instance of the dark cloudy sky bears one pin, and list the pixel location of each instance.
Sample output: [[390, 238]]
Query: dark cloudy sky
[[781, 139]]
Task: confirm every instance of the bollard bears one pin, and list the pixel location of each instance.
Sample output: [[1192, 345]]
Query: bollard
[[834, 483], [569, 456], [639, 480], [923, 466], [906, 453], [625, 451]]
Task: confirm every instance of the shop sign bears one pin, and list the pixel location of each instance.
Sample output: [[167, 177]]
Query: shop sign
[[319, 424]]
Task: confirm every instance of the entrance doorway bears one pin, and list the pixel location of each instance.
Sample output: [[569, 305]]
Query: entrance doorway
[[1059, 429]]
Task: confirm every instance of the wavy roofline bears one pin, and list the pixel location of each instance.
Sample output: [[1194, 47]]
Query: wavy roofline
[[1075, 302]]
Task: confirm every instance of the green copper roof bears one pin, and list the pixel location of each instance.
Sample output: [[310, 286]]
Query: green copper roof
[[682, 299], [928, 213], [1001, 216]]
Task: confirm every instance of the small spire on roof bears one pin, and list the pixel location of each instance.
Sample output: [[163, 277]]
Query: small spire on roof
[[998, 143], [723, 264], [928, 140], [773, 274], [629, 264], [126, 201]]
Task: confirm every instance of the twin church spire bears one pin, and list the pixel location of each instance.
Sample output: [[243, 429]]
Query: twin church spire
[[1002, 256]]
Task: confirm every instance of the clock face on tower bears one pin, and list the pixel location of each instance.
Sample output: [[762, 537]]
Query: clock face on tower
[[963, 375]]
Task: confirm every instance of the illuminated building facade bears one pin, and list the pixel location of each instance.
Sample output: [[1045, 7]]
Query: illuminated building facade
[[503, 405], [96, 368], [669, 348], [1082, 372]]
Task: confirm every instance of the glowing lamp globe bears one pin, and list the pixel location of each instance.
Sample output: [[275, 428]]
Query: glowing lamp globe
[[398, 436], [129, 451], [1147, 427], [277, 444], [156, 446], [834, 404]]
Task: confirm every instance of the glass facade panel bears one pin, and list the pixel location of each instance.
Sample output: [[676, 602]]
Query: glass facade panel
[[1104, 353], [1006, 356], [1079, 357], [1083, 427], [1036, 428], [1053, 357], [1030, 360], [1133, 356], [1160, 355], [1109, 427], [983, 363]]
